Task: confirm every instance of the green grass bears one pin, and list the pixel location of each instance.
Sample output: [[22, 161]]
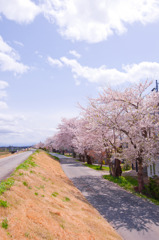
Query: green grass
[[6, 185], [25, 184], [45, 179], [62, 226], [3, 203], [54, 194], [21, 174], [27, 235], [56, 158], [36, 193], [128, 183], [68, 155], [96, 167], [77, 160], [66, 199], [5, 223], [41, 187], [27, 163]]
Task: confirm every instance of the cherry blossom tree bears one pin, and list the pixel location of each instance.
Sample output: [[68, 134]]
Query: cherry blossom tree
[[49, 143], [133, 117], [62, 140], [115, 119], [39, 145]]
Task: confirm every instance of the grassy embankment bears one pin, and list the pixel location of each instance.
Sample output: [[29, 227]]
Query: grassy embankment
[[39, 202]]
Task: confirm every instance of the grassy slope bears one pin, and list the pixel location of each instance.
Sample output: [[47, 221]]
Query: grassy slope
[[40, 202]]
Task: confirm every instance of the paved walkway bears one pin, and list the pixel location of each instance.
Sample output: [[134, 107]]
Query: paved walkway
[[132, 217], [8, 164]]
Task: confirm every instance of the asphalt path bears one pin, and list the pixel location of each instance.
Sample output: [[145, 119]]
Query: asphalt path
[[133, 218], [8, 164]]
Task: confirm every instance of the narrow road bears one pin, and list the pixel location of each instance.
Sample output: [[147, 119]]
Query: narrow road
[[8, 164], [132, 217]]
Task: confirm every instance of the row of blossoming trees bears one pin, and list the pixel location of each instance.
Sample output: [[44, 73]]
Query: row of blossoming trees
[[123, 123]]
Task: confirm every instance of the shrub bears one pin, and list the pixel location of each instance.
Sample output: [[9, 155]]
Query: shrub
[[126, 167], [152, 189]]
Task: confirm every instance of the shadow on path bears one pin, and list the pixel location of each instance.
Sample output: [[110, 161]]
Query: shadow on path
[[120, 208], [131, 216]]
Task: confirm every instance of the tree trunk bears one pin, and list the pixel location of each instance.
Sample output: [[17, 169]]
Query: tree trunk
[[83, 158], [89, 161], [108, 157], [74, 154], [80, 157], [63, 152], [101, 163], [110, 167], [140, 175]]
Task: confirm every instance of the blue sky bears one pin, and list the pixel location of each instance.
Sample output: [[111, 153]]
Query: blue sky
[[56, 53]]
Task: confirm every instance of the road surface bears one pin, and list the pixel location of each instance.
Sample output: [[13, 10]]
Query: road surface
[[133, 218], [8, 164]]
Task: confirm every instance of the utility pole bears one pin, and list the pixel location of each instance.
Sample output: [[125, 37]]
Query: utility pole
[[156, 88]]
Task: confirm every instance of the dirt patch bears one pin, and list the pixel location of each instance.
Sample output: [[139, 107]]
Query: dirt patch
[[44, 204], [7, 154], [3, 155]]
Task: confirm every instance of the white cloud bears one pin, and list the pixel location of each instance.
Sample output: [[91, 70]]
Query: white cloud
[[12, 129], [3, 94], [9, 59], [77, 82], [38, 54], [9, 119], [93, 21], [103, 75], [19, 43], [3, 84], [74, 53], [54, 62], [3, 105], [21, 11]]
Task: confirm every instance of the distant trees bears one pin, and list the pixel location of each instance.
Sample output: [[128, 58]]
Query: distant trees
[[62, 141], [117, 123], [39, 145]]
